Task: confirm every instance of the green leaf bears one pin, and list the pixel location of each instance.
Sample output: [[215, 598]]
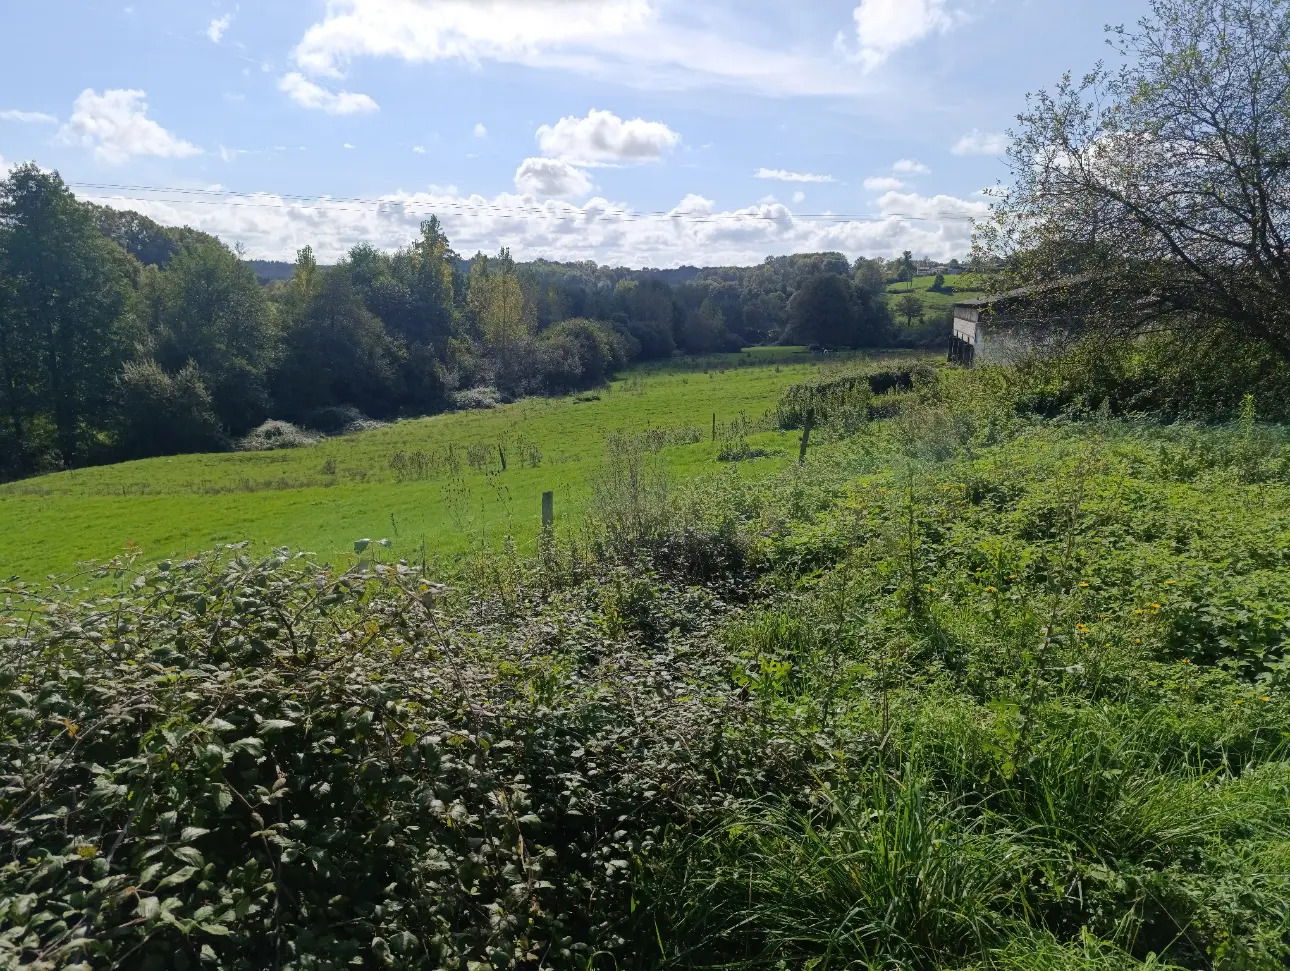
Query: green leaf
[[179, 876], [191, 833], [149, 908], [251, 745]]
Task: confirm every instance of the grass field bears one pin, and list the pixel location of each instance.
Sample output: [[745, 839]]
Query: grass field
[[971, 689], [963, 286], [323, 498]]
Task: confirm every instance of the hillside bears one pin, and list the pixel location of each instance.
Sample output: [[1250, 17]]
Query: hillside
[[433, 486], [962, 286], [971, 689]]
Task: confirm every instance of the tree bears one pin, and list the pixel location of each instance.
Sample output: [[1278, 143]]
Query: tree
[[434, 263], [497, 301], [336, 352], [821, 312], [1158, 195], [910, 307], [907, 269], [163, 414], [209, 308], [938, 285], [66, 329]]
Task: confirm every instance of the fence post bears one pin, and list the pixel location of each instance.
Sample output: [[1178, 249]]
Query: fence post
[[503, 457], [548, 510], [806, 435], [714, 426]]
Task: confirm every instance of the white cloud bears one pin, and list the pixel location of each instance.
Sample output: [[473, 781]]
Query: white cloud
[[641, 43], [116, 125], [603, 137], [914, 206], [347, 146], [310, 95], [694, 232], [799, 197], [418, 149], [28, 117], [885, 26], [549, 178], [218, 27], [909, 166], [480, 130], [782, 175], [977, 142], [883, 183]]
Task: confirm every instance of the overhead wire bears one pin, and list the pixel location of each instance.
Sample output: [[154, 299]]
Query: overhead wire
[[278, 200]]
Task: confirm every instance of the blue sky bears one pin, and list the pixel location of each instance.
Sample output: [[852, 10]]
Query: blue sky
[[638, 132]]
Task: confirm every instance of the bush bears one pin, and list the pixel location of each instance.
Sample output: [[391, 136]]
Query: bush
[[274, 435], [475, 398], [165, 414]]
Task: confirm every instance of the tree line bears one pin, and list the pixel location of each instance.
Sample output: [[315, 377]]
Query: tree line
[[121, 338]]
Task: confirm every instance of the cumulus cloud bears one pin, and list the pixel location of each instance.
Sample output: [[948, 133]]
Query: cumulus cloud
[[883, 183], [977, 142], [799, 197], [604, 138], [551, 178], [695, 231], [218, 27], [909, 166], [782, 175], [885, 26], [418, 149], [115, 124], [311, 95], [645, 43], [28, 117], [480, 130]]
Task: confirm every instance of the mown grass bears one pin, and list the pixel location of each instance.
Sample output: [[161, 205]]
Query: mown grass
[[324, 498]]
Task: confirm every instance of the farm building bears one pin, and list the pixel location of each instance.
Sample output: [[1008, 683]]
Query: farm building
[[1001, 330]]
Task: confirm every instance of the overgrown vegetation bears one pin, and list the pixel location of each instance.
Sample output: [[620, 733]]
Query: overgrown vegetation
[[972, 689]]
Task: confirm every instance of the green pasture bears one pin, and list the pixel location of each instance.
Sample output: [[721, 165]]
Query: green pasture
[[961, 286], [324, 497]]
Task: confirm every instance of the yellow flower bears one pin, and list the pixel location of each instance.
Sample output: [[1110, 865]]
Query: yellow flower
[[991, 590], [1081, 628], [1239, 702], [1083, 585], [1155, 606], [1186, 660], [1265, 698], [1170, 583]]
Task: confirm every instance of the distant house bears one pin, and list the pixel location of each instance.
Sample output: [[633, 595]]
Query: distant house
[[1002, 329]]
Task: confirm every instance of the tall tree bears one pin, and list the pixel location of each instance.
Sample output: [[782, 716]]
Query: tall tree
[[65, 311], [1158, 195], [821, 312], [435, 264], [213, 312]]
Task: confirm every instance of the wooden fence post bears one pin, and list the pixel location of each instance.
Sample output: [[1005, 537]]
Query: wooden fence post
[[806, 435], [548, 510], [714, 426], [503, 457]]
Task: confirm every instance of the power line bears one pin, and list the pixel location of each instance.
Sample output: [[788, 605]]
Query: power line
[[276, 200]]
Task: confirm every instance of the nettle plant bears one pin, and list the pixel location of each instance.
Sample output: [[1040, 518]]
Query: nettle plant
[[249, 764]]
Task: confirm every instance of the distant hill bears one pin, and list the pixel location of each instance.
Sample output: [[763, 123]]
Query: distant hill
[[269, 271]]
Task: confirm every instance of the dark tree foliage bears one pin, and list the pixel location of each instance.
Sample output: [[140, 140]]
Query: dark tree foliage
[[828, 311], [66, 328]]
